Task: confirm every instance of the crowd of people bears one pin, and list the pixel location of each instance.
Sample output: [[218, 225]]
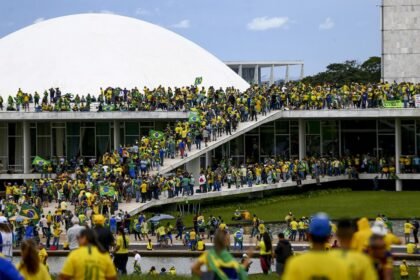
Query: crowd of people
[[291, 95]]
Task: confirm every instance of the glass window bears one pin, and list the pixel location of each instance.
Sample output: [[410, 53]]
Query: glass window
[[103, 145], [43, 129], [407, 138], [88, 124], [330, 140], [283, 146], [267, 141], [131, 140], [58, 143], [313, 127], [237, 146], [294, 141], [282, 127], [3, 142], [73, 147], [358, 124], [16, 153], [147, 124], [73, 128], [102, 128], [386, 145], [33, 142], [43, 146], [88, 141], [313, 145], [386, 126], [131, 128], [15, 129]]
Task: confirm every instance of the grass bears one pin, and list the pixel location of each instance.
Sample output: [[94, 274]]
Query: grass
[[337, 203]]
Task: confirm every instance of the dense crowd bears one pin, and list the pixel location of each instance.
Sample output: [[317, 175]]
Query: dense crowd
[[292, 95]]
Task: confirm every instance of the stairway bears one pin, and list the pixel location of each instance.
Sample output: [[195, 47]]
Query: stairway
[[243, 127]]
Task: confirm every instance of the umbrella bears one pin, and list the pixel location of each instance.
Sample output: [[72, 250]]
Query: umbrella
[[160, 217], [18, 218]]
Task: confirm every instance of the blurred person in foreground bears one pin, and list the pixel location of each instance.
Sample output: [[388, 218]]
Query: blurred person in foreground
[[30, 265], [7, 270], [220, 263], [360, 265], [89, 261], [317, 263], [103, 234], [377, 250]]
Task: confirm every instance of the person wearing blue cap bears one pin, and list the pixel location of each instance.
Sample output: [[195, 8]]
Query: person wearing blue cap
[[317, 263]]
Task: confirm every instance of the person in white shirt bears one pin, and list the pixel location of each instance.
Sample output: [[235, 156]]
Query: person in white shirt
[[6, 242], [137, 259], [73, 233]]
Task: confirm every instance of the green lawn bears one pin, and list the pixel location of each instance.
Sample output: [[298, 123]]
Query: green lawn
[[341, 203]]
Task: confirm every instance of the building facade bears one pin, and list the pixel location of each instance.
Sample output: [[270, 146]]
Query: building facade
[[401, 40], [378, 133]]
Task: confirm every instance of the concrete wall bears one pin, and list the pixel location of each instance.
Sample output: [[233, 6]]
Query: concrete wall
[[401, 40]]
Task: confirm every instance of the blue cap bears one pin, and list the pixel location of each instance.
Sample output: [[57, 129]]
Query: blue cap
[[320, 225]]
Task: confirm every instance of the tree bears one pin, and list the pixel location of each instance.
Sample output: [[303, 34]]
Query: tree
[[348, 72]]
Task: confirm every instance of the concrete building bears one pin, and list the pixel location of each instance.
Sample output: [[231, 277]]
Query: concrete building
[[250, 71], [81, 53], [291, 134], [401, 40]]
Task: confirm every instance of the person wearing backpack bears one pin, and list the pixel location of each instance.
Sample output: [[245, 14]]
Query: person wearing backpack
[[282, 252]]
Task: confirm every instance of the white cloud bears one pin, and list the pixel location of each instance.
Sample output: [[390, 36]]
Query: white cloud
[[107, 12], [142, 12], [327, 24], [185, 23], [265, 23], [38, 20]]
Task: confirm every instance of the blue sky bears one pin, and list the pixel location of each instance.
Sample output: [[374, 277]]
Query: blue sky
[[316, 31]]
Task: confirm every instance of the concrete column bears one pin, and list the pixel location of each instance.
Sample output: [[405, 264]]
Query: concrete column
[[272, 75], [240, 70], [398, 182], [26, 148], [256, 75], [117, 134], [208, 159], [302, 139], [286, 77], [302, 71], [193, 167]]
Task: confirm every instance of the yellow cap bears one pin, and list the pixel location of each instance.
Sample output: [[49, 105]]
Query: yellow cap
[[98, 219]]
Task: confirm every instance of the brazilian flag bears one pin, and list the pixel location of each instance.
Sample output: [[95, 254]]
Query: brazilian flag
[[198, 81], [106, 191], [30, 212], [194, 117], [40, 161], [156, 135], [109, 108]]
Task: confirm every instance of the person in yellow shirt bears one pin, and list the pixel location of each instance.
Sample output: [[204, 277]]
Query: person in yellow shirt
[[360, 239], [317, 263], [359, 265], [411, 248], [43, 255], [293, 229], [121, 251], [408, 227], [89, 261], [404, 270], [30, 266]]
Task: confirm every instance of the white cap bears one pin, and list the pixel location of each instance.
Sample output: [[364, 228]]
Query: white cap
[[379, 228], [75, 220], [244, 256], [3, 220]]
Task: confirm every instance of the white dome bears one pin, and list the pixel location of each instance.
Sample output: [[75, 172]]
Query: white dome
[[81, 53]]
